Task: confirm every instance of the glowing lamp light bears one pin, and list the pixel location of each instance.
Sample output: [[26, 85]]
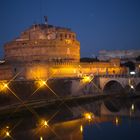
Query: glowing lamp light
[[41, 83], [88, 116], [7, 134], [132, 72], [44, 123], [131, 86], [87, 79], [7, 127], [41, 138], [81, 128], [3, 86], [68, 41], [132, 107], [116, 120]]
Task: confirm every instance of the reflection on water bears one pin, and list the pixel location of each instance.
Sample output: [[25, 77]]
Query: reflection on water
[[116, 119]]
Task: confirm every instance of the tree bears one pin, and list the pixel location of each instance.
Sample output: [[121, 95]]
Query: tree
[[88, 59], [130, 65], [138, 58]]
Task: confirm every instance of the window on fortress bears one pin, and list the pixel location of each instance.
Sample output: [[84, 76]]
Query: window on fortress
[[65, 35], [73, 37], [61, 35], [23, 43]]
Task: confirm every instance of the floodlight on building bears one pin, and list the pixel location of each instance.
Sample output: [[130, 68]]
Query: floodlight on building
[[132, 73], [131, 86]]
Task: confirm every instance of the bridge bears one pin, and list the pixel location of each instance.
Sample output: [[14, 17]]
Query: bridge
[[107, 84], [110, 106], [119, 82], [86, 84], [68, 87]]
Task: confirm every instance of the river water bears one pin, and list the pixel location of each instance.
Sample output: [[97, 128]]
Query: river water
[[110, 119]]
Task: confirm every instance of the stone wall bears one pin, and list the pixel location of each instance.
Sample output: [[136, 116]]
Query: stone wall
[[44, 43], [38, 70], [47, 51]]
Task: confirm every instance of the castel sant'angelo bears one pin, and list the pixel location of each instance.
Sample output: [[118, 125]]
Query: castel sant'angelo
[[44, 51]]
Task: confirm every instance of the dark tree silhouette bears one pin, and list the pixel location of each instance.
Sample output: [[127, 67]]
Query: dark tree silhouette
[[88, 59], [130, 65], [138, 58]]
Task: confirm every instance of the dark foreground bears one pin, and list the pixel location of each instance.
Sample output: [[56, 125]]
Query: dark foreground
[[82, 118]]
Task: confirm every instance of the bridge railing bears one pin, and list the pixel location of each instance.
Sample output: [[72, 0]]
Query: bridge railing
[[118, 76]]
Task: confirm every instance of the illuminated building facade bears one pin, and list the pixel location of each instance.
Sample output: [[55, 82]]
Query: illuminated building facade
[[44, 43], [45, 50]]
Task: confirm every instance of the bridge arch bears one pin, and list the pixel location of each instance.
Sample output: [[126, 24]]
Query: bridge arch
[[113, 86], [113, 105], [104, 80]]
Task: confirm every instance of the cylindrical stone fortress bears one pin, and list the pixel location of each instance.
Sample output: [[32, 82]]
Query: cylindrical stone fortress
[[42, 42]]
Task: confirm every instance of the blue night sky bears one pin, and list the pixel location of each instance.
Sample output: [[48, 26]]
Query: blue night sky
[[99, 24]]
